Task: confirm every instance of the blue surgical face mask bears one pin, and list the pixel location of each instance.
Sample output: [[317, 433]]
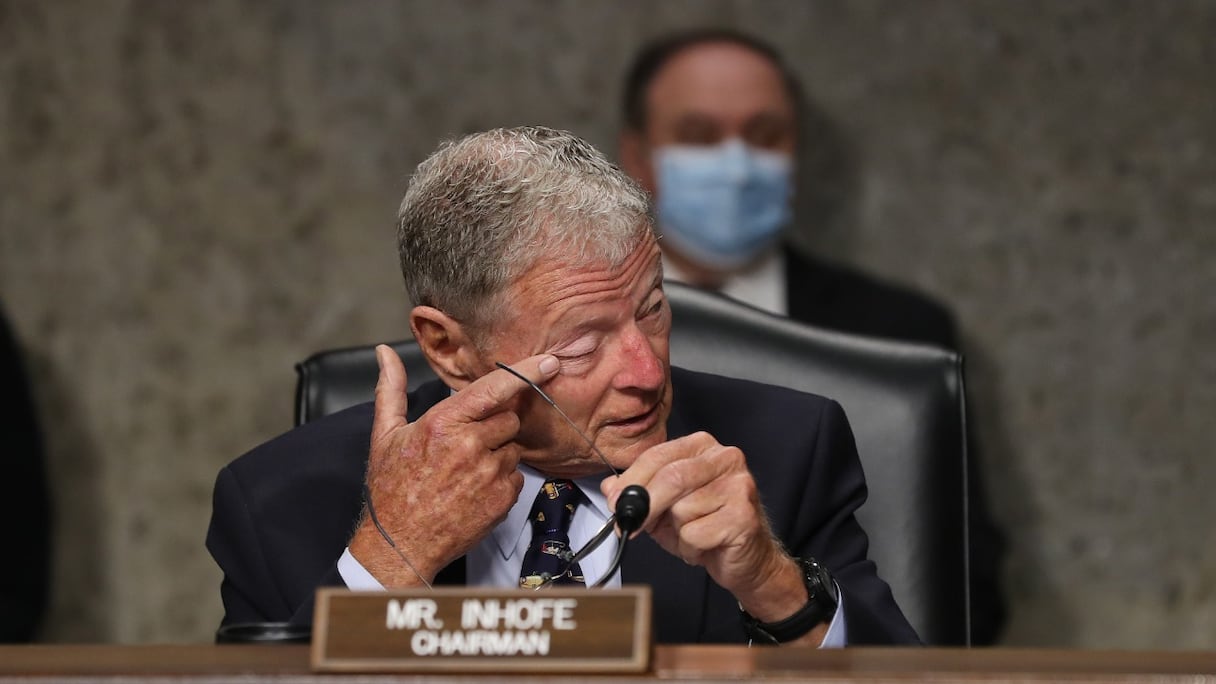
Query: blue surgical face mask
[[722, 205]]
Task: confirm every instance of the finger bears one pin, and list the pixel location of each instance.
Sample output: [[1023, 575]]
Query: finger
[[697, 486], [683, 469], [489, 393], [391, 403], [728, 500], [656, 459], [488, 467], [706, 524], [489, 442], [698, 538], [494, 431]]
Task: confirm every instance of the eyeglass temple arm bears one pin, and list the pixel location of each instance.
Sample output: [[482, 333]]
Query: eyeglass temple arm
[[593, 544], [560, 412]]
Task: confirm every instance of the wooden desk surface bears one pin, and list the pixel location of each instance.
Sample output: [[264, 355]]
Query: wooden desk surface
[[208, 663]]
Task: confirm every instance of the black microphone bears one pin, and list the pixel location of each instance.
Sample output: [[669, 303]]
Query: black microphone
[[632, 507]]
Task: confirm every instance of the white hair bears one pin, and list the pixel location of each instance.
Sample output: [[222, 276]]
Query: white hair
[[483, 209]]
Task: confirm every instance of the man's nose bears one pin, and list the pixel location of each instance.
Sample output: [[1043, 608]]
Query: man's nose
[[643, 368]]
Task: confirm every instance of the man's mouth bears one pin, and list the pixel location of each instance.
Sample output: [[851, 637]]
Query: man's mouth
[[639, 423]]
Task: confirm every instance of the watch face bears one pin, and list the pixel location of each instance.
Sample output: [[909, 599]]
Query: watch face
[[820, 576]]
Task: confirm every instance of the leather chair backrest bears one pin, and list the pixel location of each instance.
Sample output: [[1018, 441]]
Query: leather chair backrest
[[904, 401]]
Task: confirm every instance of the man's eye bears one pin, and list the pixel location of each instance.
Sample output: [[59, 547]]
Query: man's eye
[[697, 131], [654, 308], [575, 352], [652, 319], [767, 132], [576, 364]]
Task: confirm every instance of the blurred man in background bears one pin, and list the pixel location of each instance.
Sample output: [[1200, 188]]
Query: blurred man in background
[[711, 129]]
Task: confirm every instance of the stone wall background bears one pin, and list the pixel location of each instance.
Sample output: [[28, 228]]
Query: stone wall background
[[193, 196]]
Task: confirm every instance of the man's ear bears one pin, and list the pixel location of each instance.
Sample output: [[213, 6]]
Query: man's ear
[[447, 345], [635, 158]]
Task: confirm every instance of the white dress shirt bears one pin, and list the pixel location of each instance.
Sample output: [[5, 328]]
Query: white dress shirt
[[762, 285]]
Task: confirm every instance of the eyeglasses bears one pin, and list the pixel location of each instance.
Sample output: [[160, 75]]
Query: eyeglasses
[[632, 507]]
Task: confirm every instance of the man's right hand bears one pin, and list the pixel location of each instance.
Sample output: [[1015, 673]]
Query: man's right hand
[[441, 483]]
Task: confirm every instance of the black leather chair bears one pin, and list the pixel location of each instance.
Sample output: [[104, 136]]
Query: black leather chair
[[904, 401]]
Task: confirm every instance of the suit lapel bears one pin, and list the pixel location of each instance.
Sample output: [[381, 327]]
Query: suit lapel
[[805, 286]]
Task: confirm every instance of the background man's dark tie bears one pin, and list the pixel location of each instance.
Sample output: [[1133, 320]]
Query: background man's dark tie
[[551, 515]]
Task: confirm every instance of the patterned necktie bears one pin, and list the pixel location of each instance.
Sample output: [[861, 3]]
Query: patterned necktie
[[550, 517]]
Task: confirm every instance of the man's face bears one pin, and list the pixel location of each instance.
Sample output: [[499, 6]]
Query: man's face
[[709, 93], [609, 329]]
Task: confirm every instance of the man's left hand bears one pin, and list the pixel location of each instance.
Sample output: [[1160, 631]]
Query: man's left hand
[[705, 509]]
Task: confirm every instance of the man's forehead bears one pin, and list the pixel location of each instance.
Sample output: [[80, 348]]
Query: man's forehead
[[554, 279], [715, 75]]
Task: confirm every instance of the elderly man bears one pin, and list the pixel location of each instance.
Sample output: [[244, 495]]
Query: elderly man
[[526, 248]]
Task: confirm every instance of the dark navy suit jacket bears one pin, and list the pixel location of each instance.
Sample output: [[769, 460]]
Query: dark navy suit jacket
[[284, 512]]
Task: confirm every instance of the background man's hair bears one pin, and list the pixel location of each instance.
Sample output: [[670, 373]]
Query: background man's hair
[[655, 55], [483, 209]]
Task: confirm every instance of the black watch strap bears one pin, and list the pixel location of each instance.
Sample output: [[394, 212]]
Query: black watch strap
[[820, 607]]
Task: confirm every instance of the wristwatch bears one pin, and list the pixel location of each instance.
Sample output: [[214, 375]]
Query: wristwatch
[[821, 602]]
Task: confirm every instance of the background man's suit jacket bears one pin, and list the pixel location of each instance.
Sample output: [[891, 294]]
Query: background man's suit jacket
[[836, 297], [284, 512]]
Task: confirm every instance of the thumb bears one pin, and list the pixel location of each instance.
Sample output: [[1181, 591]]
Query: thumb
[[611, 487], [391, 402]]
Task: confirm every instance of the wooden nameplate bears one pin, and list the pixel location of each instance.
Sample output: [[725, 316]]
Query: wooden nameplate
[[482, 630]]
